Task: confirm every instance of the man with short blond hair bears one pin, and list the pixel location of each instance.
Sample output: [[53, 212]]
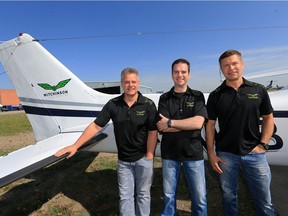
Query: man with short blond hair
[[134, 118]]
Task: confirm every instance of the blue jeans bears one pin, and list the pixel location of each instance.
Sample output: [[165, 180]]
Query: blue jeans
[[258, 177], [135, 176], [195, 175]]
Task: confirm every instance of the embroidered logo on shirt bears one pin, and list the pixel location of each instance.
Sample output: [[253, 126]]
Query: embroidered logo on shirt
[[190, 104], [140, 113], [148, 101], [252, 96]]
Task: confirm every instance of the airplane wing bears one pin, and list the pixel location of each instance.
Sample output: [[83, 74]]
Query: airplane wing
[[22, 162]]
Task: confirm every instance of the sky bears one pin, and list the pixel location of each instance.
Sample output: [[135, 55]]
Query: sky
[[96, 40]]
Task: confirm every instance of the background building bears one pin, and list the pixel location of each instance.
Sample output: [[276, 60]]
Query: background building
[[9, 100], [114, 87]]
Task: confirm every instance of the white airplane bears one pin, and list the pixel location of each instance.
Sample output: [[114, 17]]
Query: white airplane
[[59, 106]]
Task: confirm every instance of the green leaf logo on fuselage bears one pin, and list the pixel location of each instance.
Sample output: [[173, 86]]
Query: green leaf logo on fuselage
[[47, 86]]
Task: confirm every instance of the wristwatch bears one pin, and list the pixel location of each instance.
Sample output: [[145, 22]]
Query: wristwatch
[[265, 145], [168, 123]]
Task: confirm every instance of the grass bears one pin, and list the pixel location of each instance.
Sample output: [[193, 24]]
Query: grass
[[64, 211], [14, 124]]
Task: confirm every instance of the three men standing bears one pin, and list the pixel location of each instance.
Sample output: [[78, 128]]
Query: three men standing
[[236, 105]]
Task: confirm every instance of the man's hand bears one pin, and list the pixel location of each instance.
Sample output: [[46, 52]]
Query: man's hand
[[69, 149], [149, 156], [162, 124], [214, 162]]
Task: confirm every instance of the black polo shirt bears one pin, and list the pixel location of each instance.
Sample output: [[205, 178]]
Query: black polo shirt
[[185, 144], [131, 125], [238, 114]]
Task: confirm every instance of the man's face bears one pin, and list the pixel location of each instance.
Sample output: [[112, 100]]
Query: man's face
[[180, 74], [130, 84], [232, 67]]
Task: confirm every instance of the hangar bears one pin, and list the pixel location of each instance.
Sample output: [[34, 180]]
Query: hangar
[[114, 87]]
